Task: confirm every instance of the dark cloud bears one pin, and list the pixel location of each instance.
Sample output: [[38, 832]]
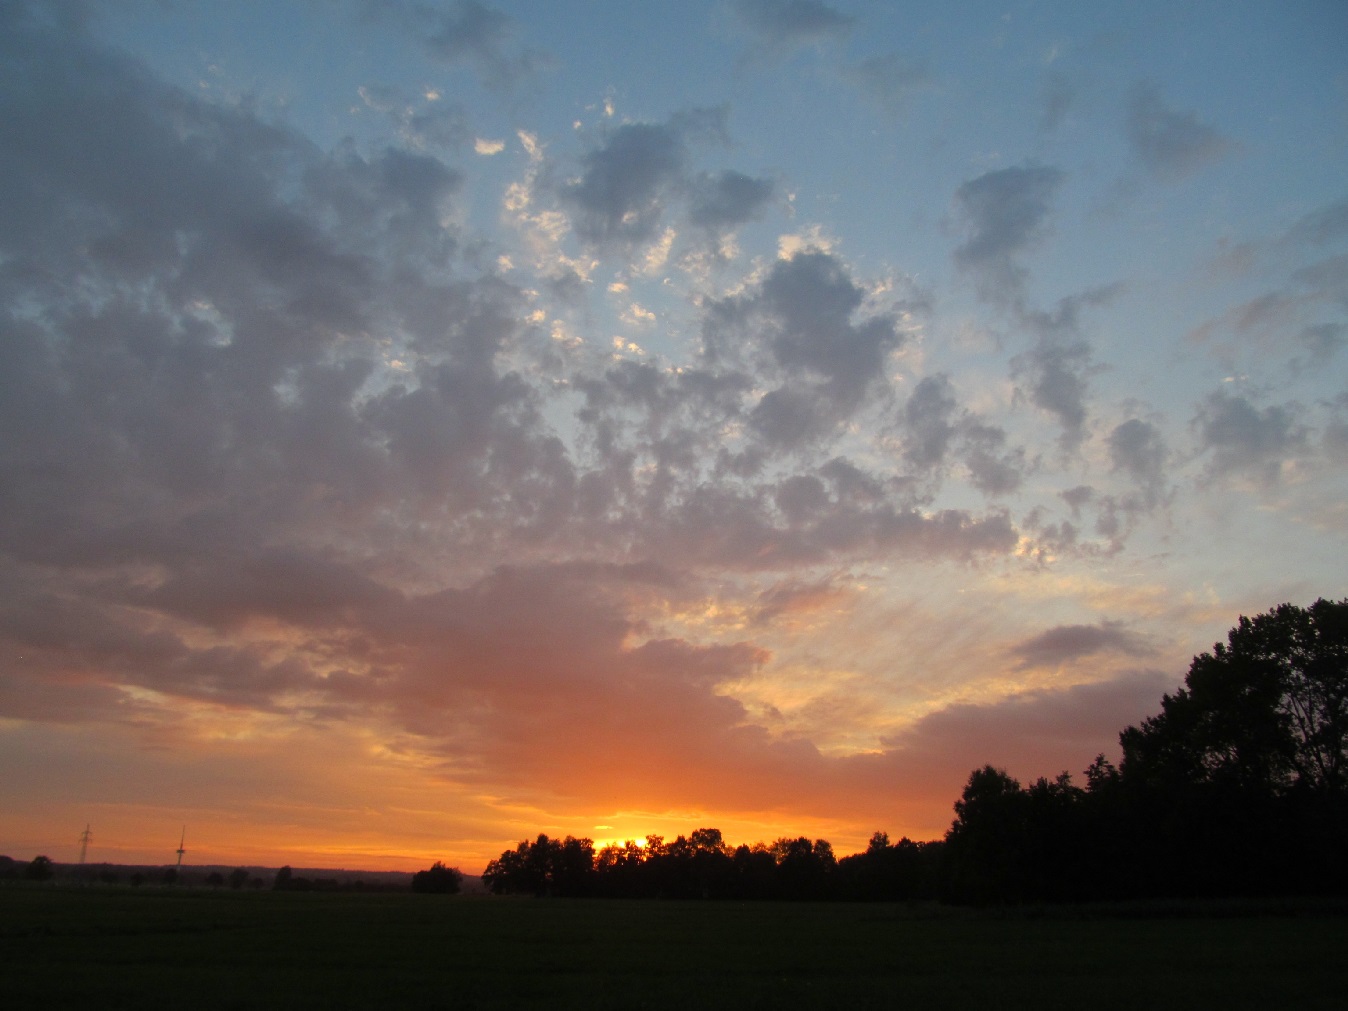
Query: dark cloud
[[1056, 371], [808, 304], [1056, 377], [781, 26], [1056, 97], [994, 468], [1137, 448], [422, 123], [846, 514], [1239, 437], [626, 183], [802, 324], [1327, 278], [1170, 143], [1324, 340], [929, 417], [213, 370], [891, 80], [464, 32], [727, 199], [1003, 213], [794, 597], [935, 429], [622, 191], [1078, 497], [283, 584], [1334, 440], [1035, 733], [1320, 226], [1067, 643]]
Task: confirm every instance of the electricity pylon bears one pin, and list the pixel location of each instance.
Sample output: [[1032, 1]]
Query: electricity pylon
[[86, 837]]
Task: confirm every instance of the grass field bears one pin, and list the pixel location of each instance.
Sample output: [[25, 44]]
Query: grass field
[[111, 947]]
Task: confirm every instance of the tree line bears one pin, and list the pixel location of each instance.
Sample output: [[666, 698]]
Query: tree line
[[1238, 787]]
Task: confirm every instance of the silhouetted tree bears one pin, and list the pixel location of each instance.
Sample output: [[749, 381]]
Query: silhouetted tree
[[544, 867], [238, 878], [904, 871], [619, 870], [804, 868], [1239, 785], [438, 880], [215, 879], [283, 878], [986, 842], [755, 872], [1241, 781], [1265, 712], [40, 868]]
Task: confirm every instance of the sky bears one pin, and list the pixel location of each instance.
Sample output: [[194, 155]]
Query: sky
[[429, 423]]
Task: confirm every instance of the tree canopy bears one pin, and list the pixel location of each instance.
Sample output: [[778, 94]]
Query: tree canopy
[[1264, 712], [437, 880]]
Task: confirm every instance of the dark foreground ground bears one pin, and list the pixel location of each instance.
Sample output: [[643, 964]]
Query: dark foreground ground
[[110, 947]]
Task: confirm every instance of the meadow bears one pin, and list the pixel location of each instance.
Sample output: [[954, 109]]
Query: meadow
[[164, 947]]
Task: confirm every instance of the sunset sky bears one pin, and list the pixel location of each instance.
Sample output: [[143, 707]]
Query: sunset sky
[[428, 423]]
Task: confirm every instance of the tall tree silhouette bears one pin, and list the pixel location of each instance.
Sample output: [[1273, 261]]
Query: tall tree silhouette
[[1264, 712], [1241, 781]]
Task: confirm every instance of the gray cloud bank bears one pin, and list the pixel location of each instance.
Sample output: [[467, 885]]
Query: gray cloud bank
[[262, 408]]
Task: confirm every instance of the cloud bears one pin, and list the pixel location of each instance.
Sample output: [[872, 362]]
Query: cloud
[[994, 469], [272, 282], [627, 182], [807, 304], [1324, 340], [1056, 377], [1057, 96], [928, 417], [1334, 439], [1067, 643], [1320, 226], [891, 80], [1031, 734], [464, 32], [1004, 213], [782, 26], [1171, 144], [1239, 437], [421, 122], [1056, 371], [727, 199], [802, 323], [282, 584], [1327, 279], [847, 515], [790, 598], [1138, 448], [935, 429]]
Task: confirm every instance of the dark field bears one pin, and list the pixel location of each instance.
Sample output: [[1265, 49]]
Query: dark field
[[114, 947]]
